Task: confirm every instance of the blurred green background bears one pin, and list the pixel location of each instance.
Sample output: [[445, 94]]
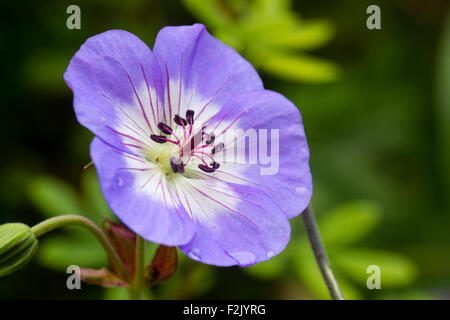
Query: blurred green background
[[376, 108]]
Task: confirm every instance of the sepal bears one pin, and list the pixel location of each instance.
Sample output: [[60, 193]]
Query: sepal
[[124, 242], [163, 265], [161, 268]]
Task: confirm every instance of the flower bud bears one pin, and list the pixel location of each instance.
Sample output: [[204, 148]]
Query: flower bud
[[18, 244]]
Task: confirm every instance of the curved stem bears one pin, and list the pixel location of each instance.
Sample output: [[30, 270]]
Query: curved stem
[[60, 221], [320, 254], [136, 289]]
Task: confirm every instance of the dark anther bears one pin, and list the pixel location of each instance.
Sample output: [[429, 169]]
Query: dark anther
[[217, 148], [211, 138], [176, 164], [215, 165], [190, 117], [206, 168], [165, 128], [179, 120], [159, 139]]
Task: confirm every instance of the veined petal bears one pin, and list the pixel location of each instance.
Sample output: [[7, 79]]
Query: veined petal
[[239, 225], [200, 72], [117, 88], [265, 126], [141, 197]]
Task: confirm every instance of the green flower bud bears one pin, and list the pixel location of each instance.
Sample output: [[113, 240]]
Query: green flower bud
[[18, 244]]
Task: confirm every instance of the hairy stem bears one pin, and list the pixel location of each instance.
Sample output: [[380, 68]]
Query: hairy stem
[[320, 254], [60, 221]]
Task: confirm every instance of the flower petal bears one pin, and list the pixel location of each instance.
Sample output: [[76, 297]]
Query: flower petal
[[200, 72], [242, 226], [266, 113], [140, 196], [117, 88]]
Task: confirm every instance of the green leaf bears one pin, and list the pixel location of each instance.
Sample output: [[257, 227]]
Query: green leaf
[[308, 272], [58, 251], [411, 294], [349, 290], [43, 69], [349, 222], [274, 7], [259, 30], [208, 12], [264, 31], [53, 197], [443, 99], [396, 270], [300, 67], [193, 279], [270, 269], [117, 293], [198, 280], [121, 293], [307, 36], [94, 197]]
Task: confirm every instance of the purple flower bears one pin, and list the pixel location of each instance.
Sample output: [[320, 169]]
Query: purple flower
[[160, 120]]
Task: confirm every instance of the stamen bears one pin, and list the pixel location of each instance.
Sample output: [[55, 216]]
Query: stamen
[[165, 128], [176, 164], [198, 148], [211, 138], [203, 154], [176, 137], [185, 135], [168, 130], [172, 141], [159, 139], [190, 117], [200, 158], [179, 120], [162, 139], [215, 165], [206, 168], [219, 147], [192, 143]]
